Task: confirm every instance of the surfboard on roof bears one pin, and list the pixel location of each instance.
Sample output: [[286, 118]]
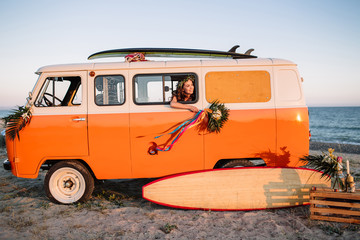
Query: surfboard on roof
[[174, 52]]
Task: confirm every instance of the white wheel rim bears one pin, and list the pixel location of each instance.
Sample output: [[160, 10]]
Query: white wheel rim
[[67, 185]]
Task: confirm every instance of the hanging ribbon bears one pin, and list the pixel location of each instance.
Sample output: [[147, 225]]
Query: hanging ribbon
[[196, 120], [215, 117]]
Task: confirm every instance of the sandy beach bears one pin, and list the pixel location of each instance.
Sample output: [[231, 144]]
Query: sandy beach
[[117, 211]]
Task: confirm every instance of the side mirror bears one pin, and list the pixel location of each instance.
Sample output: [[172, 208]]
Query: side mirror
[[29, 97]]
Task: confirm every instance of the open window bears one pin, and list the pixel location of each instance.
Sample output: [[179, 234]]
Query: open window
[[60, 91], [158, 88]]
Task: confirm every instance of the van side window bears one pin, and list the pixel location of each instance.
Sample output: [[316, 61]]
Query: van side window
[[288, 87], [60, 91], [158, 88], [109, 90], [238, 86]]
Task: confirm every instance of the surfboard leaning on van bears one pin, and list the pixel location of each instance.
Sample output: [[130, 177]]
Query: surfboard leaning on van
[[98, 120]]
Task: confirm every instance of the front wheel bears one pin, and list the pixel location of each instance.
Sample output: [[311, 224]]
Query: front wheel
[[68, 182]]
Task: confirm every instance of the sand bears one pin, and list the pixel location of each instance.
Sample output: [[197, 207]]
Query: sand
[[117, 211]]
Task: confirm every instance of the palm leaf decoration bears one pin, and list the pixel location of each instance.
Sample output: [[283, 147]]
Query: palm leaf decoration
[[16, 121], [217, 116], [327, 164]]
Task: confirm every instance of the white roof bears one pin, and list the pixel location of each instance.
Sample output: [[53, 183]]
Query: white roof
[[164, 64]]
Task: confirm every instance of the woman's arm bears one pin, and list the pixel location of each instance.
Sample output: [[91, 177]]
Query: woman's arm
[[175, 104]]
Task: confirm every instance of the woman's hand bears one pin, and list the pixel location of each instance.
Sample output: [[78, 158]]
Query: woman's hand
[[175, 104], [193, 109]]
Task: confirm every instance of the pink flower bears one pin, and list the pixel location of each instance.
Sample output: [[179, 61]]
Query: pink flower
[[339, 159]]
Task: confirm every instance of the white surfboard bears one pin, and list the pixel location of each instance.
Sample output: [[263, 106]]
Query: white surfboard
[[246, 188]]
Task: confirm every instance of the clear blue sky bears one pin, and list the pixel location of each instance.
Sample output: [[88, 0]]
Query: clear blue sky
[[321, 36]]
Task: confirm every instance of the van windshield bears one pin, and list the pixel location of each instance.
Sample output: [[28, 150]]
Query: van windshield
[[60, 91]]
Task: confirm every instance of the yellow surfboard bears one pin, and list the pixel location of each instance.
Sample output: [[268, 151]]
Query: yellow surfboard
[[246, 188]]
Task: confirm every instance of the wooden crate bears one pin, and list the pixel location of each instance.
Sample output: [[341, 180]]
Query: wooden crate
[[329, 205]]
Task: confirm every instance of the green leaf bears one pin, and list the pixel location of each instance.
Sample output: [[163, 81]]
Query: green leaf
[[15, 122]]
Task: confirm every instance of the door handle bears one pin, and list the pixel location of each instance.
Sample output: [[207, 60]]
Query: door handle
[[78, 119]]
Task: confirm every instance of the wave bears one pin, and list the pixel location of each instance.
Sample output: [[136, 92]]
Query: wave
[[334, 127], [4, 113]]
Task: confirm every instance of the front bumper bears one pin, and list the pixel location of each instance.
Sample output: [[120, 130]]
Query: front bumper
[[7, 165]]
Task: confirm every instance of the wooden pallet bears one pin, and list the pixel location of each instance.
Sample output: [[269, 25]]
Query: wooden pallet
[[328, 205]]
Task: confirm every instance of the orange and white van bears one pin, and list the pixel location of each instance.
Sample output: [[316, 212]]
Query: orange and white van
[[98, 121]]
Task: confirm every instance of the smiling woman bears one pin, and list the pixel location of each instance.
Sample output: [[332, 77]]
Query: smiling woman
[[184, 93]]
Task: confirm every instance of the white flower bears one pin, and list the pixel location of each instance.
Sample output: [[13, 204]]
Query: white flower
[[25, 115], [216, 115]]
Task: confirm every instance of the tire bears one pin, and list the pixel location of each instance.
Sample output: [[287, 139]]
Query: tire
[[68, 182], [238, 163]]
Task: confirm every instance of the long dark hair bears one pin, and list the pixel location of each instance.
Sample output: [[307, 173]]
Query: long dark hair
[[179, 93]]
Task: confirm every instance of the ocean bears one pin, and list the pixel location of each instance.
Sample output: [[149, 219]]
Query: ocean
[[327, 124], [4, 112], [335, 124]]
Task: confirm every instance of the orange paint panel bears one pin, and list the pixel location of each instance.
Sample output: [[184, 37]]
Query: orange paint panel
[[293, 136], [119, 143], [247, 134], [186, 155], [109, 145], [50, 137]]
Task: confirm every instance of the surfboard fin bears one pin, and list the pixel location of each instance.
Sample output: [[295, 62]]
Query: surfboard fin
[[233, 49], [248, 52]]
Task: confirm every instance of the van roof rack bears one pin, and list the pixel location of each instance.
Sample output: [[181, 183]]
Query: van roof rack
[[174, 52]]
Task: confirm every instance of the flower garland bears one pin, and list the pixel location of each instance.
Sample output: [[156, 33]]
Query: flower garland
[[135, 57], [217, 114], [17, 120]]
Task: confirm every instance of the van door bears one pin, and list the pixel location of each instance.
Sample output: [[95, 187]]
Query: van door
[[58, 128], [292, 115], [151, 116], [109, 125]]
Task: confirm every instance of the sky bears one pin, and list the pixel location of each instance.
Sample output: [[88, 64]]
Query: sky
[[321, 36]]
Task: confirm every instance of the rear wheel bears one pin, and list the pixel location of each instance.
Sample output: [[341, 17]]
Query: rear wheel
[[68, 182], [238, 163]]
